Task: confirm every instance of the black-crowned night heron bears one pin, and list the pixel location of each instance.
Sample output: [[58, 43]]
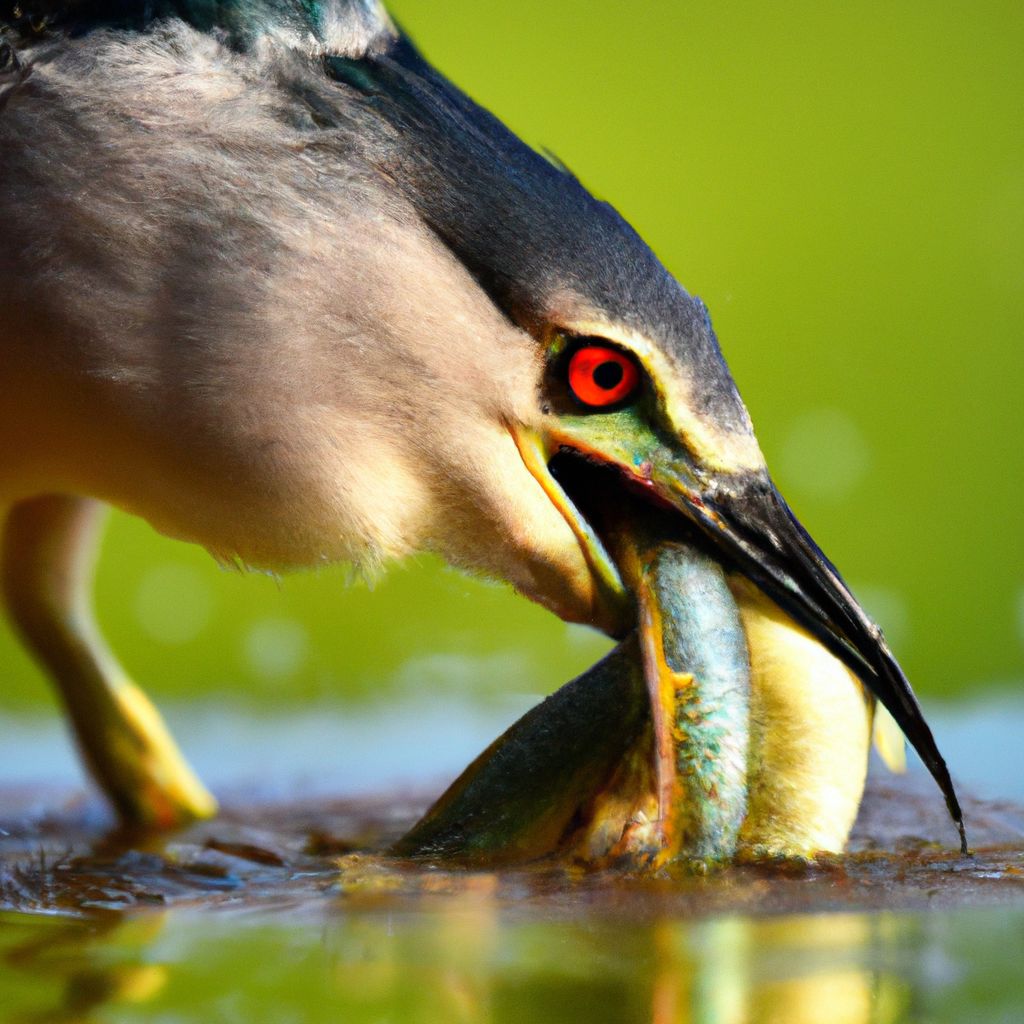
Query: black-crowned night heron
[[271, 282]]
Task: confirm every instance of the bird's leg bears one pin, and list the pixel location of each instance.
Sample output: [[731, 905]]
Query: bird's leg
[[48, 556]]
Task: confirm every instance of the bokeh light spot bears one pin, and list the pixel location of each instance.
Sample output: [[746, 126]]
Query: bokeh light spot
[[457, 672], [890, 609], [276, 648], [824, 455], [173, 604]]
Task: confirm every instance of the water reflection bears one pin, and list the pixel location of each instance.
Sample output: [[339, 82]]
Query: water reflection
[[476, 961], [710, 972], [82, 967], [470, 961]]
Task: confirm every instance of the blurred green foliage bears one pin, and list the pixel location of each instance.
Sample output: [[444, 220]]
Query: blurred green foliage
[[844, 186]]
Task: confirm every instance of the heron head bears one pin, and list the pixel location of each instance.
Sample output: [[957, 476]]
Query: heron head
[[621, 411]]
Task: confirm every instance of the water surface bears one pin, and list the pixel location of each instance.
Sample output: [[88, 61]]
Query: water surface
[[272, 914]]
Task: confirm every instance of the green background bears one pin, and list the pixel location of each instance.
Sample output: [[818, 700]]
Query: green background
[[844, 186]]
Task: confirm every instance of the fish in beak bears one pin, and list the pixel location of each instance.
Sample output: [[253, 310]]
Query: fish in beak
[[744, 522], [703, 568]]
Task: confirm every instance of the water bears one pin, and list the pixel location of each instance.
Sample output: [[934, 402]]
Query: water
[[424, 741], [472, 959], [361, 942]]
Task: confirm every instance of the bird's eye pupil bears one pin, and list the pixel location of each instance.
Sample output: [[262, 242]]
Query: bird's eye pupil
[[608, 375]]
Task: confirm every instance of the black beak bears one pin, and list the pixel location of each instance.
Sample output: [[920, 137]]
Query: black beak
[[753, 527]]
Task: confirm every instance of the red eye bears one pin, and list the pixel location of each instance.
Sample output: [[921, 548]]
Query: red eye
[[602, 376]]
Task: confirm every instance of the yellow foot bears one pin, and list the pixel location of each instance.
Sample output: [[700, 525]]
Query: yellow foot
[[134, 759]]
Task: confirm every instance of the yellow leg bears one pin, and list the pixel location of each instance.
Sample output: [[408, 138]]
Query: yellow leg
[[48, 555]]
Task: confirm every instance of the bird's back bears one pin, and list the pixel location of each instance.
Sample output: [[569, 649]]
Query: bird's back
[[198, 275], [173, 250]]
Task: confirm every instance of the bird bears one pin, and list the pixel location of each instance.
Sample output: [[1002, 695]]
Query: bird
[[274, 284]]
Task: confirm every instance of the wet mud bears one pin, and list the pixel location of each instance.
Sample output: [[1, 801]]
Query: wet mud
[[59, 855]]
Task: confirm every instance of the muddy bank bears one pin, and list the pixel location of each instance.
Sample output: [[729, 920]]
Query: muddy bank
[[57, 854]]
